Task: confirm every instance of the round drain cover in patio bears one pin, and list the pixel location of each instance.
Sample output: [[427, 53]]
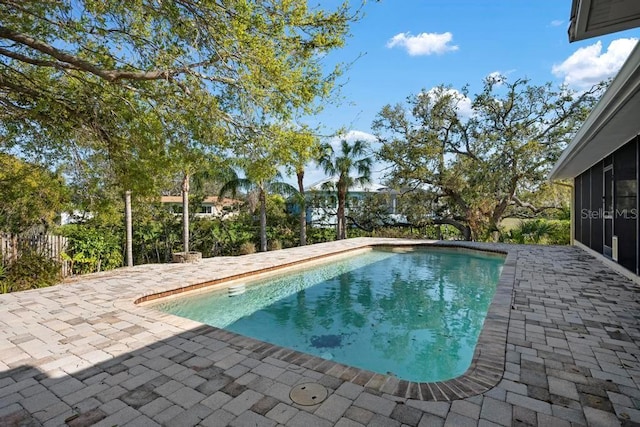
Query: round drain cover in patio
[[308, 394]]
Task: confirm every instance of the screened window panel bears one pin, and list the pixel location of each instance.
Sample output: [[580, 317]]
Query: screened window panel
[[625, 200], [585, 213], [597, 222], [577, 208]]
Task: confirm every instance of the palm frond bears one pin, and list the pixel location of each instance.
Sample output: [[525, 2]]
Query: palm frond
[[282, 188], [231, 187]]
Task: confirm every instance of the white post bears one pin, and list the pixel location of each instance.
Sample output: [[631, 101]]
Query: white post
[[129, 227]]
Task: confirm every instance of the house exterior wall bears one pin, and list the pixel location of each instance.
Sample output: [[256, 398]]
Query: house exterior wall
[[322, 206], [606, 206]]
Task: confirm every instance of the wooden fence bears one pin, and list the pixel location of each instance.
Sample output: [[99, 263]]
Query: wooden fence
[[45, 244]]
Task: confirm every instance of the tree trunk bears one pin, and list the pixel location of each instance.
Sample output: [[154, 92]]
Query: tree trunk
[[263, 221], [303, 209], [14, 248], [466, 231], [185, 212], [341, 232], [129, 227]]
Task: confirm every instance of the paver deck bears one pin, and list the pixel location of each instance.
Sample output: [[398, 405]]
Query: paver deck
[[84, 354]]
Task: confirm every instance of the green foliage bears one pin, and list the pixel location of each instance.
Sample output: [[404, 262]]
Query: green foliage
[[133, 84], [31, 195], [30, 271], [4, 284], [473, 171], [206, 237], [282, 229], [92, 249], [350, 159], [156, 233], [320, 234], [539, 231], [431, 232], [259, 183], [215, 237], [370, 212], [125, 95], [303, 147]]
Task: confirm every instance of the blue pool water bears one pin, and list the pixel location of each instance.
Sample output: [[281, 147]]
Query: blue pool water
[[416, 315]]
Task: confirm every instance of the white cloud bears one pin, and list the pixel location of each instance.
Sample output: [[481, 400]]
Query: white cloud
[[423, 43], [557, 22], [590, 65], [465, 107], [354, 135]]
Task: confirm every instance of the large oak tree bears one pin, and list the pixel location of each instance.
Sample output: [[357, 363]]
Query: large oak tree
[[470, 171]]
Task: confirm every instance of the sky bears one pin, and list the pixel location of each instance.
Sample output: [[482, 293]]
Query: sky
[[402, 47]]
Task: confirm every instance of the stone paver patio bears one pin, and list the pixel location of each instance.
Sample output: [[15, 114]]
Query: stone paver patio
[[560, 347]]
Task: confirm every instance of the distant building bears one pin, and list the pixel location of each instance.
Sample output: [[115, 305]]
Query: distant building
[[75, 217], [322, 202], [211, 207]]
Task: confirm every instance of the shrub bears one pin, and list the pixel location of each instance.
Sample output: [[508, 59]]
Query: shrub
[[561, 234], [4, 284], [92, 249], [540, 231], [320, 234], [275, 245], [31, 270], [247, 248]]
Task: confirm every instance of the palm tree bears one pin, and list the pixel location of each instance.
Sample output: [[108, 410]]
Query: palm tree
[[303, 147], [185, 212], [263, 187], [352, 157], [207, 170], [302, 218]]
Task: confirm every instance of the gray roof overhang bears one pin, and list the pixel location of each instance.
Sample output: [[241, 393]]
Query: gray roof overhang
[[591, 18]]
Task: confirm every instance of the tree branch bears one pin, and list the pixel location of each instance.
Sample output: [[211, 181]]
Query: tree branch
[[38, 62], [536, 210], [73, 62]]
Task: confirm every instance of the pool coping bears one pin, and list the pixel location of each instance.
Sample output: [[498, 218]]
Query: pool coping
[[484, 373]]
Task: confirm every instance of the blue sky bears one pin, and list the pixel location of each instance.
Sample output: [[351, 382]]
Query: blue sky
[[412, 45]]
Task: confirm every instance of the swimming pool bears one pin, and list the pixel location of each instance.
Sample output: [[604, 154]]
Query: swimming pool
[[413, 314]]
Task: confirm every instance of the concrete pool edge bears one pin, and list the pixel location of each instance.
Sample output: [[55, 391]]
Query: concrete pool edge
[[219, 283], [485, 371]]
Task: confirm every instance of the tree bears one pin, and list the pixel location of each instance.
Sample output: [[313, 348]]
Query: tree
[[350, 158], [86, 69], [221, 61], [32, 196], [125, 148], [472, 170], [372, 212], [262, 186], [192, 164], [200, 168], [303, 147]]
